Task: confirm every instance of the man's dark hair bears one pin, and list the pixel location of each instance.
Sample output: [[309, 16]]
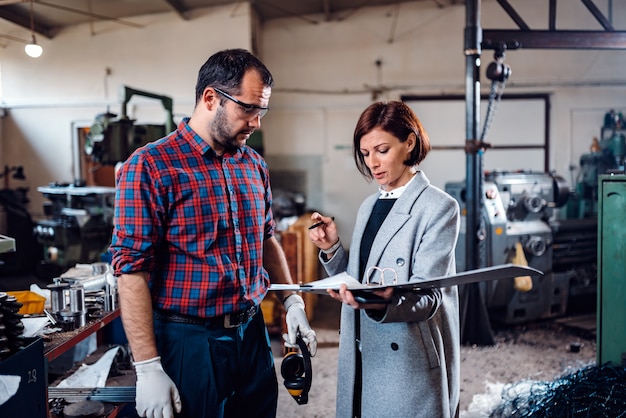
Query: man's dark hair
[[225, 70]]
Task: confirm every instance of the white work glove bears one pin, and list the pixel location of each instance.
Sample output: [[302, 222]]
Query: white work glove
[[297, 321], [155, 390]]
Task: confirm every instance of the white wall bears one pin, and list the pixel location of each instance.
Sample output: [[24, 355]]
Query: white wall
[[68, 85], [323, 70], [323, 77]]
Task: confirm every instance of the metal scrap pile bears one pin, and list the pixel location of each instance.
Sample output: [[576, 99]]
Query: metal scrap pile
[[594, 391]]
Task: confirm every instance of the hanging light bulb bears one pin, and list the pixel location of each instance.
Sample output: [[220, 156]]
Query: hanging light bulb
[[33, 49]]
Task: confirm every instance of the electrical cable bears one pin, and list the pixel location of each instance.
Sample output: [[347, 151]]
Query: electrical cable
[[498, 72], [495, 96]]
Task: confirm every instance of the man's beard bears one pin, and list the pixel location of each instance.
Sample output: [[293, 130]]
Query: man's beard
[[222, 134]]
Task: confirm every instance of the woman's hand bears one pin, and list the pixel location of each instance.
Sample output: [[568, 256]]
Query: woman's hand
[[324, 235], [347, 297]]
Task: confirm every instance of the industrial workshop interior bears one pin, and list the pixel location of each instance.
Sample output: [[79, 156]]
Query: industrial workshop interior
[[524, 102]]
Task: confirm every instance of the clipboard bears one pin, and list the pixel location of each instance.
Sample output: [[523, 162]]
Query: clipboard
[[505, 271]]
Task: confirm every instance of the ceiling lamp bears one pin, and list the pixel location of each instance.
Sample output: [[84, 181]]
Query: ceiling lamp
[[33, 49]]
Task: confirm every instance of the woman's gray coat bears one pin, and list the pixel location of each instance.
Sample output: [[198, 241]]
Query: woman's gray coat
[[411, 362]]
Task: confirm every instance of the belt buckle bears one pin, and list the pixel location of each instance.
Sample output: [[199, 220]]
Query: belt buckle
[[235, 320], [228, 322]]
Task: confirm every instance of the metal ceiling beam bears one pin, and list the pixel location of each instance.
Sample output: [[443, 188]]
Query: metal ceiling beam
[[89, 14], [552, 15], [552, 38], [16, 16], [326, 8], [557, 39], [178, 6], [598, 14], [286, 12], [506, 6]]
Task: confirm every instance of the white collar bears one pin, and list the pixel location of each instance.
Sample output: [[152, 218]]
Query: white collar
[[395, 193]]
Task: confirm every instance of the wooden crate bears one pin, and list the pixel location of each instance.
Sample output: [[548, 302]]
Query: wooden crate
[[307, 263], [304, 267]]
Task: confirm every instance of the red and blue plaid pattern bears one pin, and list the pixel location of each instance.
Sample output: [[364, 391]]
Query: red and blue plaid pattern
[[195, 222]]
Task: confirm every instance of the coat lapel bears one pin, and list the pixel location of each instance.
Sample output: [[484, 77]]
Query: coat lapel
[[401, 214]]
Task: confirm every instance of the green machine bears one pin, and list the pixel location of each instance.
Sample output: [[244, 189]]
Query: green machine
[[611, 335], [112, 139], [607, 154]]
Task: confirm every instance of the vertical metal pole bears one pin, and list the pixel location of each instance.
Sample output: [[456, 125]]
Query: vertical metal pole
[[473, 173], [474, 317]]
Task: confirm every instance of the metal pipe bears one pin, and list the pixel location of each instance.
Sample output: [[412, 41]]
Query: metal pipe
[[475, 326], [473, 175], [103, 394]]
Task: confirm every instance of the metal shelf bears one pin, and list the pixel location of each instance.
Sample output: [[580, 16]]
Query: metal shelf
[[62, 342]]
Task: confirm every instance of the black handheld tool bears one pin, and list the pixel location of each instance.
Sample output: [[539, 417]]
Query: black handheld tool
[[297, 372]]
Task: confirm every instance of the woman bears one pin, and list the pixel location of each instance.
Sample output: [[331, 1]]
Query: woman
[[400, 357]]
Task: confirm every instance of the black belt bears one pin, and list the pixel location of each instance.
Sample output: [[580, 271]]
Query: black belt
[[232, 320]]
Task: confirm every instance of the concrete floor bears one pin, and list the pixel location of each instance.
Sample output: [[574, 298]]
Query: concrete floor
[[322, 395], [538, 350], [506, 362]]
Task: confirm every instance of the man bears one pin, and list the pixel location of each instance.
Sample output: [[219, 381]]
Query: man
[[194, 249]]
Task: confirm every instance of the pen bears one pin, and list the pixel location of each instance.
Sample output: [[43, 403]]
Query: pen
[[320, 223]]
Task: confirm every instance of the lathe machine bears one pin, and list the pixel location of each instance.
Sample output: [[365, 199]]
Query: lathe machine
[[78, 226], [521, 219], [79, 217]]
